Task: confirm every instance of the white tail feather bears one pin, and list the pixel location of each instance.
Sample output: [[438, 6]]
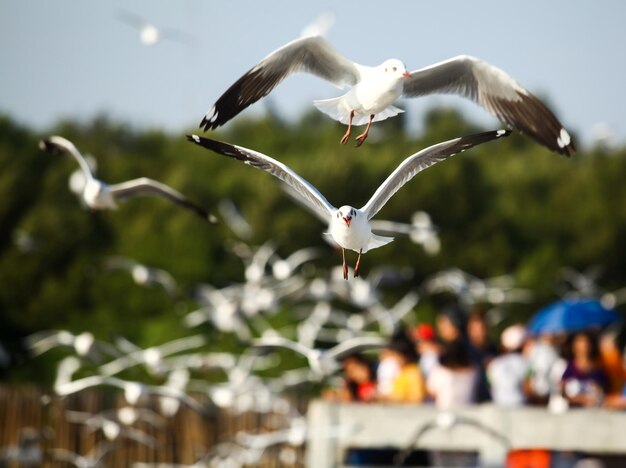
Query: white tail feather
[[337, 109], [377, 241]]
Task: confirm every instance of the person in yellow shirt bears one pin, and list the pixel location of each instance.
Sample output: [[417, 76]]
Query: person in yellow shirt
[[408, 386]]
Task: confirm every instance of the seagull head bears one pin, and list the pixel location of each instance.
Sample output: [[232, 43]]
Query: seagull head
[[347, 213], [395, 68]]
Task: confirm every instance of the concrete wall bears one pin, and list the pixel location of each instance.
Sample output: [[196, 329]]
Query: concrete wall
[[488, 429]]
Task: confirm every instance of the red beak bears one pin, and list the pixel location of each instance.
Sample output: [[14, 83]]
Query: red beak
[[406, 74], [348, 220]]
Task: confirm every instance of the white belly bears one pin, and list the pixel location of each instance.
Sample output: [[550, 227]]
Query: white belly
[[356, 237]]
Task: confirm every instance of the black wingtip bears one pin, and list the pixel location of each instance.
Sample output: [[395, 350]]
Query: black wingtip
[[48, 146], [225, 149]]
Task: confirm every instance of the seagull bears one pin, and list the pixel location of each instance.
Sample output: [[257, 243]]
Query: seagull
[[350, 227], [98, 195], [149, 34], [133, 391], [143, 275], [322, 362], [84, 344], [374, 90], [421, 231], [446, 421]]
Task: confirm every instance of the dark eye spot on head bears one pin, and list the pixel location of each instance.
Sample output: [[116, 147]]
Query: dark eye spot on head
[[385, 70], [394, 68]]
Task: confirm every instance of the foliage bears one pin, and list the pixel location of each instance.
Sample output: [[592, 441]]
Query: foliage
[[508, 206]]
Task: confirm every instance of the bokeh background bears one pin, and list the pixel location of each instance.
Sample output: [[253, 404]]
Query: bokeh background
[[75, 69]]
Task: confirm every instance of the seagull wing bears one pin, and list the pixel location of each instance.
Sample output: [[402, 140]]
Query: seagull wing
[[314, 55], [279, 342], [497, 92], [57, 143], [312, 197], [131, 19], [355, 345], [423, 160], [145, 186]]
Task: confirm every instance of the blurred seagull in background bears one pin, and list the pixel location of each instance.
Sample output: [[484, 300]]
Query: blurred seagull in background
[[143, 275], [421, 231], [149, 34], [83, 344], [322, 362], [374, 90], [98, 195], [350, 227]]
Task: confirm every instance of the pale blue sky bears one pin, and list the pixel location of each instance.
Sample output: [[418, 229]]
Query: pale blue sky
[[72, 58]]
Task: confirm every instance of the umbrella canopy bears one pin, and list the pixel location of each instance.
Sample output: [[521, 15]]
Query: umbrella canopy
[[570, 315]]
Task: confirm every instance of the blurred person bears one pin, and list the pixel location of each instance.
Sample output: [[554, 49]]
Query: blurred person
[[611, 344], [584, 382], [386, 372], [507, 372], [481, 346], [358, 381], [426, 347], [408, 386], [452, 382], [618, 400], [450, 325], [545, 368], [482, 350]]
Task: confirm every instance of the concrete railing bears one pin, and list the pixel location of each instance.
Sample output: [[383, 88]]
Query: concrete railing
[[487, 429]]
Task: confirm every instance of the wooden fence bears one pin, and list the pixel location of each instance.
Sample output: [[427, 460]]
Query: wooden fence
[[181, 439]]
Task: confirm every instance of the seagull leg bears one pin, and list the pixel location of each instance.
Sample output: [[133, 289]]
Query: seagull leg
[[361, 138], [344, 140], [358, 264], [345, 265]]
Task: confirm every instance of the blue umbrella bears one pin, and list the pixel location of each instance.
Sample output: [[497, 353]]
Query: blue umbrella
[[568, 315]]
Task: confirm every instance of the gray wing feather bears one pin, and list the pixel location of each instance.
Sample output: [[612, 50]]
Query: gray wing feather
[[355, 345], [58, 143], [145, 186], [314, 200], [417, 162], [314, 55], [495, 91]]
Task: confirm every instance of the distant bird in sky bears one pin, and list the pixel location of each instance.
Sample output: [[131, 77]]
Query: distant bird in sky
[[149, 34], [374, 90], [322, 362], [350, 227], [98, 195]]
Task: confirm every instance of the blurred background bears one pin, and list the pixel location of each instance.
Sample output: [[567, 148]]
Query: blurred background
[[91, 73]]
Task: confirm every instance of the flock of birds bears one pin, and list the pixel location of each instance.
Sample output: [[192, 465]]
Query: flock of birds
[[331, 317]]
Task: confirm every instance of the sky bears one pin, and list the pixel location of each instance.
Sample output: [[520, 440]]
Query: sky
[[76, 59]]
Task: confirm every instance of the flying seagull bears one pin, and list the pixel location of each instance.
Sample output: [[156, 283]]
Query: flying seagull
[[98, 195], [322, 362], [350, 227], [374, 90], [149, 34]]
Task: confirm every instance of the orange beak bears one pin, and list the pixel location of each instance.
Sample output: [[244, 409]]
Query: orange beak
[[348, 220], [406, 74]]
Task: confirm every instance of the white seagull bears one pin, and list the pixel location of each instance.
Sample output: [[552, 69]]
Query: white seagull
[[98, 195], [350, 227], [374, 90], [322, 362], [149, 34]]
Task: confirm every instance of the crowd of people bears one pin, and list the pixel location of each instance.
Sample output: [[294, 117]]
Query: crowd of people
[[454, 362]]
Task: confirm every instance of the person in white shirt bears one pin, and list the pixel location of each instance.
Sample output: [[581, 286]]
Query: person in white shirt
[[507, 372], [452, 383]]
